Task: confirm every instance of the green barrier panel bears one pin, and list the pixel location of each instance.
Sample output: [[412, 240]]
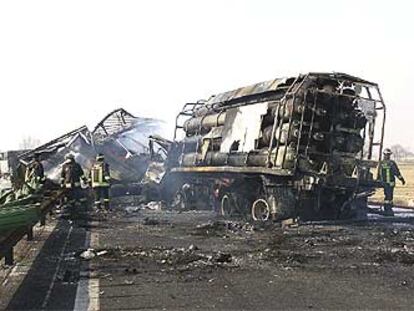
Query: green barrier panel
[[18, 216]]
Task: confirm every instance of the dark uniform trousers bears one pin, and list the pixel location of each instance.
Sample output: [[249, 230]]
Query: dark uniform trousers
[[101, 194], [71, 176], [388, 171], [75, 195], [388, 197]]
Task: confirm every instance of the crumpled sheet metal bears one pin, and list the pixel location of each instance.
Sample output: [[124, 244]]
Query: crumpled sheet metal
[[78, 142], [127, 151], [154, 173], [113, 123], [121, 137]]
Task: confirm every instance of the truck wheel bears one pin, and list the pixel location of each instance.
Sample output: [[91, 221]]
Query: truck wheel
[[179, 201], [227, 205], [357, 209], [260, 210]]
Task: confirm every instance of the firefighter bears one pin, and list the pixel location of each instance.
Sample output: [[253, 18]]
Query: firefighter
[[71, 177], [388, 170], [35, 174], [100, 180]]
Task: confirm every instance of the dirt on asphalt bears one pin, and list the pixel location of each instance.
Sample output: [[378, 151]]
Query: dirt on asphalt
[[153, 258], [169, 260]]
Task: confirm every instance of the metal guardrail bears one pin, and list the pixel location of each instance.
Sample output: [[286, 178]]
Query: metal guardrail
[[9, 239]]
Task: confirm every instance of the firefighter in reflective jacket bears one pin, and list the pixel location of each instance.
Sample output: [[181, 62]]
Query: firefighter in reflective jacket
[[71, 177], [388, 170], [100, 180], [35, 174]]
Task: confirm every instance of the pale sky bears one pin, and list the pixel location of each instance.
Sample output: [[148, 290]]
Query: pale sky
[[64, 64]]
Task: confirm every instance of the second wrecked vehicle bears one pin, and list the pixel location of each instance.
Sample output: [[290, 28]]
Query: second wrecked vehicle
[[120, 136], [301, 146]]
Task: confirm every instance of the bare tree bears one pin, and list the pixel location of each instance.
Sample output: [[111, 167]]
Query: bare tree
[[29, 142], [400, 153]]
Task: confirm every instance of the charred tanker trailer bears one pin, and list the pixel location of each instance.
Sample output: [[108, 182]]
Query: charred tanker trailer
[[301, 146]]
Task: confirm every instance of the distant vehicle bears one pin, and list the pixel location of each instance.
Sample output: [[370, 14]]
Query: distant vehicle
[[300, 146]]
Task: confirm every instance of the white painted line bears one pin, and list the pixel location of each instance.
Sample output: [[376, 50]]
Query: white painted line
[[93, 294], [94, 283], [52, 284], [87, 293]]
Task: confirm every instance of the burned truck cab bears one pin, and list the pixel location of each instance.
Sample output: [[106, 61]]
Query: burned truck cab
[[302, 146]]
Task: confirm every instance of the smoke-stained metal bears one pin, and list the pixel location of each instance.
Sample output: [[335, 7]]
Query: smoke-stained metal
[[304, 136], [120, 136]]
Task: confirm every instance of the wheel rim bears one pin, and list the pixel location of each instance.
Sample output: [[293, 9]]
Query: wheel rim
[[179, 201], [260, 210], [226, 206]]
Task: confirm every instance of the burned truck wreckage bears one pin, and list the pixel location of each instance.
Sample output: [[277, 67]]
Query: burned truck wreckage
[[302, 146], [120, 136]]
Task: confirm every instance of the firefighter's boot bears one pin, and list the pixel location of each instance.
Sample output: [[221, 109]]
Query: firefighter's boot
[[388, 210]]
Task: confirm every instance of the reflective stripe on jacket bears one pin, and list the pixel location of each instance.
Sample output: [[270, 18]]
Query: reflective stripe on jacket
[[100, 175], [388, 170]]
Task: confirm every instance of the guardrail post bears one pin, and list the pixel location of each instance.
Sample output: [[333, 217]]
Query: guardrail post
[[30, 233], [9, 256], [43, 220]]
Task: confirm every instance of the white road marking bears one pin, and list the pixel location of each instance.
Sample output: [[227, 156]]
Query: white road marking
[[52, 284], [87, 293]]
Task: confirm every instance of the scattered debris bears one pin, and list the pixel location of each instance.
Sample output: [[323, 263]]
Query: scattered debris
[[132, 209], [101, 253], [219, 227], [155, 206], [222, 257], [151, 221], [88, 254], [192, 247], [152, 206], [181, 258], [290, 223], [394, 255]]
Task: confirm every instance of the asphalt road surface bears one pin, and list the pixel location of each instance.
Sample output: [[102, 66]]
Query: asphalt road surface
[[166, 260]]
